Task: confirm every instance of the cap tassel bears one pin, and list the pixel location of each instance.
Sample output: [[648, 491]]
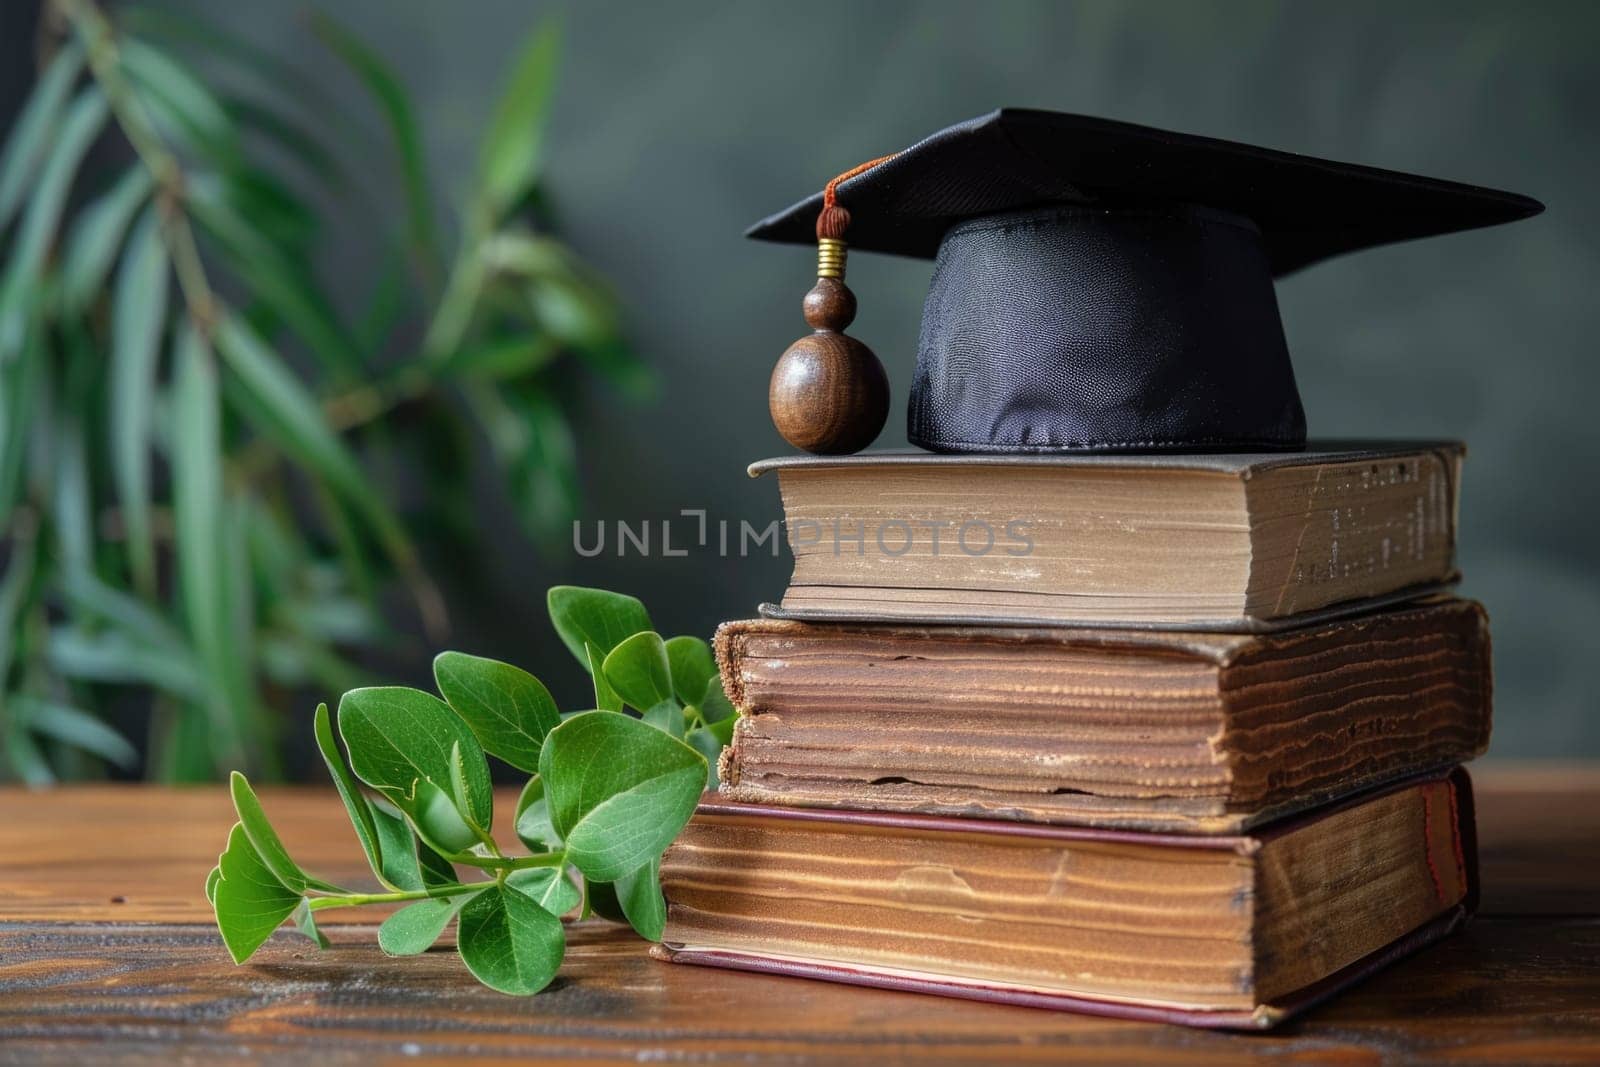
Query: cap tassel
[[829, 394]]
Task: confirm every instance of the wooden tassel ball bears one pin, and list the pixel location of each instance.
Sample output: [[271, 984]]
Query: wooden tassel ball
[[829, 394]]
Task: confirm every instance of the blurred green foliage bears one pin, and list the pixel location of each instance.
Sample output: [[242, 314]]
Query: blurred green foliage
[[198, 447]]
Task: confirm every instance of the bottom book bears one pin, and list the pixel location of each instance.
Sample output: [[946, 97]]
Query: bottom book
[[1235, 932]]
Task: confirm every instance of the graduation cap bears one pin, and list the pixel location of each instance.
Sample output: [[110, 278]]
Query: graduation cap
[[1097, 286]]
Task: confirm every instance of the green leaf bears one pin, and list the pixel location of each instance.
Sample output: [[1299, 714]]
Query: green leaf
[[508, 710], [516, 251], [199, 519], [533, 818], [17, 591], [116, 657], [25, 758], [234, 52], [279, 215], [603, 901], [605, 697], [619, 791], [714, 704], [180, 747], [70, 142], [610, 355], [550, 888], [398, 737], [211, 885], [72, 511], [138, 312], [438, 820], [21, 378], [385, 302], [434, 868], [595, 616], [355, 802], [289, 414], [397, 848], [75, 727], [97, 236], [509, 161], [585, 317], [352, 547], [179, 100], [639, 895], [35, 128], [546, 476], [415, 927], [279, 281], [68, 145], [250, 902], [510, 943], [134, 617], [306, 922], [706, 743], [295, 142], [460, 791], [722, 730], [404, 861], [396, 107], [692, 667], [263, 838], [504, 357], [638, 669], [667, 717], [533, 442]]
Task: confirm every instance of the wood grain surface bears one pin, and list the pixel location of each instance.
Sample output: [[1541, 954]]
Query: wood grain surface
[[107, 955]]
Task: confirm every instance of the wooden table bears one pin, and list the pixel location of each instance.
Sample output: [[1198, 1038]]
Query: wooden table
[[107, 952]]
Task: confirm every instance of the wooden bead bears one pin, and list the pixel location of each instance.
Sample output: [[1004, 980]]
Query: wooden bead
[[830, 305], [829, 394]]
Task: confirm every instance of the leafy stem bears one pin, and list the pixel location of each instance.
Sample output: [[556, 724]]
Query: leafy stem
[[512, 863], [608, 792], [435, 892]]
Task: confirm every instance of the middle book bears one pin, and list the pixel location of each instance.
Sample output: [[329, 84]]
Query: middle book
[[1127, 729]]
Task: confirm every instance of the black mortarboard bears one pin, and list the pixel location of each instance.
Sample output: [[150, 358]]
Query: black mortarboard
[[1100, 285]]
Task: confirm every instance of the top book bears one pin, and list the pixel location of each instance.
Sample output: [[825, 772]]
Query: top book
[[1218, 542]]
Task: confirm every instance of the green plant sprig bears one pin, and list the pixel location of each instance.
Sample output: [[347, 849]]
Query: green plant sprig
[[606, 795]]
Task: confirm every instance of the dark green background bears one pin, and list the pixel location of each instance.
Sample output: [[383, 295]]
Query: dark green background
[[678, 124]]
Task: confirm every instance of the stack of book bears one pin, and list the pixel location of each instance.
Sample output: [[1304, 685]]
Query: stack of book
[[1172, 737]]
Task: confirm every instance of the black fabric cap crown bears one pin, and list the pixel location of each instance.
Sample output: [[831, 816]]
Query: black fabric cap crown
[[1101, 286]]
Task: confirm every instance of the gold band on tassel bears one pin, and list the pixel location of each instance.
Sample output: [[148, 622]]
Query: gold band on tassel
[[831, 254]]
